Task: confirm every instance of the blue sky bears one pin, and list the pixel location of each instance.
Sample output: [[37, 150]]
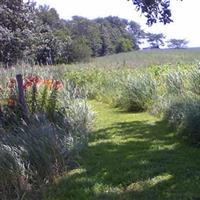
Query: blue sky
[[186, 15]]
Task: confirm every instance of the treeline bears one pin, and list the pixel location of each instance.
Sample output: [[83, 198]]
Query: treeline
[[38, 35]]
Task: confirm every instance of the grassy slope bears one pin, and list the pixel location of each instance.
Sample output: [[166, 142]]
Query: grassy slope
[[131, 156], [151, 57]]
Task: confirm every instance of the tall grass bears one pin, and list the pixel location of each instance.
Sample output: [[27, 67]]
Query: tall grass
[[37, 146], [171, 92]]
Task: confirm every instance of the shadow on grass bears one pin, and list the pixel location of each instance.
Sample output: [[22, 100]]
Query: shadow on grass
[[133, 160]]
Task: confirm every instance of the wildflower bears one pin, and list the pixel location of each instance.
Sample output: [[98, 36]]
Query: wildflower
[[32, 80], [48, 83], [57, 85], [11, 102], [27, 84]]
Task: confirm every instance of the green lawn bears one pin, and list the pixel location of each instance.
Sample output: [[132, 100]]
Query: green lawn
[[131, 156]]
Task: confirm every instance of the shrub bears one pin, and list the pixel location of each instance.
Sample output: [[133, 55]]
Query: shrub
[[175, 83], [137, 92], [183, 113], [194, 81]]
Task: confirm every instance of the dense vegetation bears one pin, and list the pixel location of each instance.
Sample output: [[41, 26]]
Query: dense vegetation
[[131, 156], [37, 35], [41, 140], [168, 91], [153, 99], [40, 135]]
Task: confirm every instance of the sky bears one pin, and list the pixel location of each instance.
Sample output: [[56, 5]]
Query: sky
[[185, 14]]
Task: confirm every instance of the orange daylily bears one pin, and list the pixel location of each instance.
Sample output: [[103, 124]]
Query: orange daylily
[[32, 80], [57, 85], [11, 102]]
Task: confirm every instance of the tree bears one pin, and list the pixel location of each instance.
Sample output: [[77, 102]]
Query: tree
[[49, 16], [137, 33], [154, 10], [65, 44], [16, 25], [47, 47], [124, 45], [83, 27], [115, 32], [155, 40], [177, 43], [106, 44], [38, 35], [80, 50]]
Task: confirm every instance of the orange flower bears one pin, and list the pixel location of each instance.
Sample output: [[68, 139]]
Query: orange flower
[[11, 102], [57, 85], [48, 83], [27, 84], [32, 80]]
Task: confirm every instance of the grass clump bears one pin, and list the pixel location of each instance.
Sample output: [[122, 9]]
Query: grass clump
[[137, 92], [183, 114]]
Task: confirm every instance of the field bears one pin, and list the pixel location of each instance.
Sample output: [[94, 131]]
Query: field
[[124, 126], [145, 58]]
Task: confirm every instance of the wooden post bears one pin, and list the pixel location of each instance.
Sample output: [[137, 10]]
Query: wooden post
[[22, 100]]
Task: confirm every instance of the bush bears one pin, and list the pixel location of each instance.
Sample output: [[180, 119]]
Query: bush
[[183, 113], [137, 92], [194, 81], [175, 83]]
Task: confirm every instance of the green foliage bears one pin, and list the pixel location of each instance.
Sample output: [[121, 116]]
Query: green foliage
[[138, 92], [124, 45], [38, 146], [154, 10], [175, 83], [38, 35], [80, 50], [157, 89], [133, 92], [194, 81], [49, 17], [177, 43], [15, 30], [59, 120], [183, 113], [155, 40], [131, 156]]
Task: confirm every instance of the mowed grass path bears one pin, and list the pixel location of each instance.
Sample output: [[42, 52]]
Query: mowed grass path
[[131, 156]]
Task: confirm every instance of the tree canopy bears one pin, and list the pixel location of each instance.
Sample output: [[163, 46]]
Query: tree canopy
[[155, 40], [177, 43], [155, 10], [37, 35]]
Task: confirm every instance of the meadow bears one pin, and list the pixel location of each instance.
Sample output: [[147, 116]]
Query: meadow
[[124, 126], [148, 57]]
